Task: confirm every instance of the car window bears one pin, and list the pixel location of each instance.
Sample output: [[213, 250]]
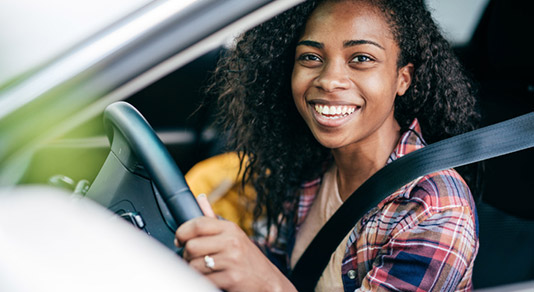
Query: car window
[[39, 30], [457, 18]]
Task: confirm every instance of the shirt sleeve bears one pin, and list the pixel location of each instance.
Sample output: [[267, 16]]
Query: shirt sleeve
[[431, 253]]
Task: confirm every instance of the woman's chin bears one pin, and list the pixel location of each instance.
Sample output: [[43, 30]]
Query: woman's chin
[[331, 143]]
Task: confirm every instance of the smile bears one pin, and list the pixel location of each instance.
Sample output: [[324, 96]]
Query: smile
[[334, 111]]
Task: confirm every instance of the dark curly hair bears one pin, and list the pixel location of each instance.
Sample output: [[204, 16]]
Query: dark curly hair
[[253, 87]]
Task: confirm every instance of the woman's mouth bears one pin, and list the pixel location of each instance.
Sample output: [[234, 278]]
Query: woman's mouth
[[332, 116], [334, 111]]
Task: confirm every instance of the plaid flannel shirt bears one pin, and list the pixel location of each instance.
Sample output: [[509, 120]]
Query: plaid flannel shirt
[[423, 237]]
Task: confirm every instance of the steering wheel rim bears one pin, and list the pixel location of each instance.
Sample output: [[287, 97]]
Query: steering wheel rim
[[129, 133]]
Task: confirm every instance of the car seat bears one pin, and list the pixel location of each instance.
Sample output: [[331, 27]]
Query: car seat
[[500, 59]]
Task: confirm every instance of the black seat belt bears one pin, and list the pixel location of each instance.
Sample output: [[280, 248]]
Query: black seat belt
[[488, 142]]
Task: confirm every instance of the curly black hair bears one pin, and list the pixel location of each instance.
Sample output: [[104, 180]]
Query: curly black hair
[[253, 87]]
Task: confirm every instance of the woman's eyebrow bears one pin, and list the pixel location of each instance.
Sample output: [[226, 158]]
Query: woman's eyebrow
[[309, 43], [346, 44], [352, 43]]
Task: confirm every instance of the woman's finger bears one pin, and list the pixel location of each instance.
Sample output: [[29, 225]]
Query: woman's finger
[[200, 226], [199, 247], [205, 206], [208, 263]]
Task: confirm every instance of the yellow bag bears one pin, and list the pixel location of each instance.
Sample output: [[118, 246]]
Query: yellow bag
[[220, 179]]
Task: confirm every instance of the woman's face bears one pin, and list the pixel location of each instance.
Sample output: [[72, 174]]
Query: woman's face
[[345, 77]]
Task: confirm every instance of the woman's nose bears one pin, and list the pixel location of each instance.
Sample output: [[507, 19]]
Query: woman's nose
[[333, 76]]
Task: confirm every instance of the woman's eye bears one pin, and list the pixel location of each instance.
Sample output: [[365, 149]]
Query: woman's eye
[[361, 59], [309, 57]]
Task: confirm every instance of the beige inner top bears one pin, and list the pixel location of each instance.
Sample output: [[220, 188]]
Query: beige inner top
[[325, 205]]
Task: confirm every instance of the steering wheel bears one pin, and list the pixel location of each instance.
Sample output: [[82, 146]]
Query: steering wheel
[[140, 180]]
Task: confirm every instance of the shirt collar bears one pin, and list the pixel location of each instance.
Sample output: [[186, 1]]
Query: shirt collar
[[410, 141]]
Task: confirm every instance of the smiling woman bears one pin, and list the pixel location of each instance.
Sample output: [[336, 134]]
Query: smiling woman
[[314, 101], [317, 101]]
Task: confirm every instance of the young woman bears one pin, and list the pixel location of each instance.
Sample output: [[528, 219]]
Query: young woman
[[318, 100]]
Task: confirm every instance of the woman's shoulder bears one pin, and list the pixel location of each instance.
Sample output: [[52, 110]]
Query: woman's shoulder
[[435, 198], [437, 190], [443, 189], [442, 195]]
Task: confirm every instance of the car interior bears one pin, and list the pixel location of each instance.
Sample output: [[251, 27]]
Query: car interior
[[506, 90], [498, 57]]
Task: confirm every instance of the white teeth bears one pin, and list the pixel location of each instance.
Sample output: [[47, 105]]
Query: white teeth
[[339, 111]]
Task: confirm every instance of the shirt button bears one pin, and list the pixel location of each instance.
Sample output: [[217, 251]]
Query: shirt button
[[351, 274]]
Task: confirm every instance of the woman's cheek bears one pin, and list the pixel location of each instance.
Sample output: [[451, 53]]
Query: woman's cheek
[[298, 93]]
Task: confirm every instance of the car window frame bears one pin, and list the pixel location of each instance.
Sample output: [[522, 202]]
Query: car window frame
[[56, 98]]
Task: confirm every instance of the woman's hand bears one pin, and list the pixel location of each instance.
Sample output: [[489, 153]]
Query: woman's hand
[[239, 265]]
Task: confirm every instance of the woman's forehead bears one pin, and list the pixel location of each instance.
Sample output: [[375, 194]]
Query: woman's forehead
[[347, 19]]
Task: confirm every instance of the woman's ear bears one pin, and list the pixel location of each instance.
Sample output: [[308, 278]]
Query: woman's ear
[[404, 78]]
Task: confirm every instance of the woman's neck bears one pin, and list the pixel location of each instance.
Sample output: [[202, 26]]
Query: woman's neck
[[359, 161]]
